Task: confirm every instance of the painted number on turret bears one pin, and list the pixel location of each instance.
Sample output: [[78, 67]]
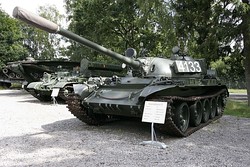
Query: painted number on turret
[[188, 66]]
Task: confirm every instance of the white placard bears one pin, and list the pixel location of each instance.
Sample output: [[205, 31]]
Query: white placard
[[55, 92], [154, 112]]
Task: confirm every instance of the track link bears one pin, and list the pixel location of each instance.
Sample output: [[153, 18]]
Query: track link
[[75, 107], [39, 97]]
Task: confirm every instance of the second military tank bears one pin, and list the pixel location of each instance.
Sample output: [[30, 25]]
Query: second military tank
[[61, 82]]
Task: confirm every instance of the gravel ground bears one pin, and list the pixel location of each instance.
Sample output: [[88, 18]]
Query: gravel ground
[[42, 134]]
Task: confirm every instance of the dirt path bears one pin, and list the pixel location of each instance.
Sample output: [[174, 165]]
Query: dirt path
[[41, 134]]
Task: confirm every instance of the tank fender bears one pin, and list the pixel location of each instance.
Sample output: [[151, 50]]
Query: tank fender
[[149, 90], [82, 89], [34, 85], [62, 84]]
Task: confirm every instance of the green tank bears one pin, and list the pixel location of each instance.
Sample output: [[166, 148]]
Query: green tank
[[42, 90], [195, 96], [63, 80], [32, 70]]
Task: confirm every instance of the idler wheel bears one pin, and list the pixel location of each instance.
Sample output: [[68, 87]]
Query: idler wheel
[[206, 110], [66, 91], [213, 108], [182, 116], [196, 113]]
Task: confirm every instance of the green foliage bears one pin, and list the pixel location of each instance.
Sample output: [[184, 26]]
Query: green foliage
[[198, 27], [208, 27], [215, 30], [221, 68], [11, 48], [18, 40], [237, 108], [118, 25], [41, 44], [229, 68]]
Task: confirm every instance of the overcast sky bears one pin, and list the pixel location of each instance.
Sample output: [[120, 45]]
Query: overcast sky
[[31, 5]]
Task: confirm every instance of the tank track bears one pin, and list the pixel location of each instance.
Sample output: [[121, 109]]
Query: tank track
[[41, 98], [170, 127], [75, 107]]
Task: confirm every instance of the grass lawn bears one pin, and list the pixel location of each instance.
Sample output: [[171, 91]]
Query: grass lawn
[[237, 108], [237, 90]]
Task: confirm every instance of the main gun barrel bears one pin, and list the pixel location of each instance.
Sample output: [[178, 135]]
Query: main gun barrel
[[46, 25]]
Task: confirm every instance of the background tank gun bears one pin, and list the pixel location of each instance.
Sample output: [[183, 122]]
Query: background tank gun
[[193, 99]]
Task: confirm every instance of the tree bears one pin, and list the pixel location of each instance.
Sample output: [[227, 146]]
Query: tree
[[245, 29], [41, 44], [11, 46], [119, 25], [217, 30]]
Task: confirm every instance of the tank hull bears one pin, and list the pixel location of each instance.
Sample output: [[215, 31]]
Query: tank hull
[[98, 110], [130, 101], [43, 92]]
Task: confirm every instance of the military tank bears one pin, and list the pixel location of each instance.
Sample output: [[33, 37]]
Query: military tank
[[42, 90], [32, 70], [63, 80], [195, 96]]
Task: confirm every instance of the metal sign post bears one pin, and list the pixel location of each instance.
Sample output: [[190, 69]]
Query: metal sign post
[[154, 112]]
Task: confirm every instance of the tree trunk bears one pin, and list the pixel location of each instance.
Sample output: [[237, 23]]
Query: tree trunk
[[247, 73], [246, 50]]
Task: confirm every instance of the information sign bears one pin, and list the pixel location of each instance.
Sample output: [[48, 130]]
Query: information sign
[[55, 92], [154, 112]]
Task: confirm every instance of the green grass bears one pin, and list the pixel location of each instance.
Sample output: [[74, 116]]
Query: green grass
[[237, 90], [16, 85], [13, 86], [237, 108]]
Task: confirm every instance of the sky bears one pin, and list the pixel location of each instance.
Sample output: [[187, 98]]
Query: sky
[[31, 5]]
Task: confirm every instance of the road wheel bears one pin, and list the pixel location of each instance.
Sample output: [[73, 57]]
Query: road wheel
[[196, 113], [219, 101], [182, 116], [206, 110], [213, 108]]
